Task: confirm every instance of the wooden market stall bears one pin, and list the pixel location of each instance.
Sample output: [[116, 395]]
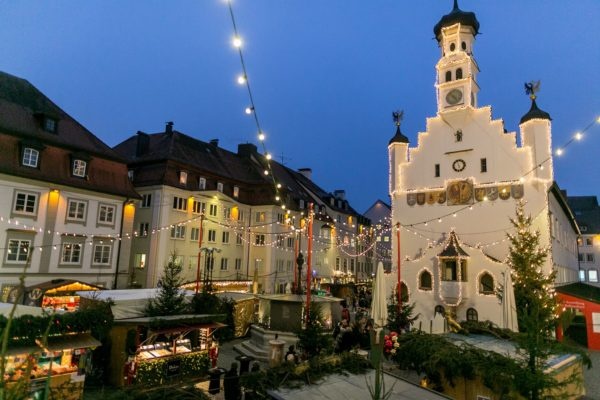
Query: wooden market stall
[[57, 294], [56, 364]]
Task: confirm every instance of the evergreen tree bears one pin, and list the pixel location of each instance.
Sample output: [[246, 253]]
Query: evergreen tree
[[312, 339], [536, 303], [171, 298], [403, 320]]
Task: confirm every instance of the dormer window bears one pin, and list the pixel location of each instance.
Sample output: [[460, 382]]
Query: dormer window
[[220, 187], [49, 124], [79, 168], [30, 157], [301, 204], [182, 177], [236, 192], [202, 183]]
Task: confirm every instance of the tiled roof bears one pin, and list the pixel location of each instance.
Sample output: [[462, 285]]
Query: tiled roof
[[581, 290], [587, 213], [23, 109]]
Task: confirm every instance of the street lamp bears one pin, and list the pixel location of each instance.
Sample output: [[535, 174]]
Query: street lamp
[[300, 262], [208, 270]]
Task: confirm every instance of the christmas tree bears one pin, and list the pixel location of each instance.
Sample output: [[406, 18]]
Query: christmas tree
[[170, 299], [536, 303]]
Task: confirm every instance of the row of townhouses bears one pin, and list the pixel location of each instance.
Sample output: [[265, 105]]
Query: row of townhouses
[[74, 208]]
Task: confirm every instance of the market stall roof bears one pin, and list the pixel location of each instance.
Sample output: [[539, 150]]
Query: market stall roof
[[76, 341], [581, 290], [236, 296], [299, 298], [62, 285], [21, 310], [127, 303]]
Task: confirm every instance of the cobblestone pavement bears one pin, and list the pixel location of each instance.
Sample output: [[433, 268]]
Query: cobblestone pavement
[[592, 377]]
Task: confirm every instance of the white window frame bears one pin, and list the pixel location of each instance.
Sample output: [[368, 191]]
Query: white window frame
[[225, 237], [212, 210], [183, 177], [224, 264], [140, 260], [104, 212], [592, 275], [103, 251], [80, 208], [238, 264], [212, 236], [226, 213], [194, 234], [238, 239], [71, 253], [146, 200], [236, 192], [30, 157], [79, 168], [220, 187], [201, 183], [259, 239], [22, 246], [179, 203], [21, 207], [582, 275], [144, 228], [178, 232]]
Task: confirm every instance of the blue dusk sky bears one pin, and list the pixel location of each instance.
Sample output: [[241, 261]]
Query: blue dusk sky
[[325, 75]]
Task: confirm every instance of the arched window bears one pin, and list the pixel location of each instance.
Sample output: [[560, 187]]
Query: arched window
[[463, 46], [486, 283], [439, 310], [459, 73], [472, 315], [425, 280], [452, 46], [403, 292], [448, 76]]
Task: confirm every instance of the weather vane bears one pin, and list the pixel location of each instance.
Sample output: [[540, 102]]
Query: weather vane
[[532, 88], [397, 116]]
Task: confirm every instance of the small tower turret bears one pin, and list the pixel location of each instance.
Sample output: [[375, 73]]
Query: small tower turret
[[397, 153]]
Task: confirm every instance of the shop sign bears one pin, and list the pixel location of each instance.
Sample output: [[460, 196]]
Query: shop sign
[[574, 304], [173, 368]]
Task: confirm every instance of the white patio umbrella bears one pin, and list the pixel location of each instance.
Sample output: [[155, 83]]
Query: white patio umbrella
[[379, 311], [509, 307]]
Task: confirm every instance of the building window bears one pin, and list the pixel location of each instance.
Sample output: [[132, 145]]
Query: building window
[[201, 183], [49, 124], [483, 165], [130, 174], [106, 214], [580, 257], [337, 263], [238, 238], [220, 187], [280, 265], [259, 240], [224, 262], [459, 73], [280, 218], [448, 76], [79, 167], [590, 257], [437, 170], [71, 253], [102, 254], [589, 241], [582, 275], [198, 207], [439, 310], [140, 261], [236, 192], [225, 237], [146, 200], [486, 283], [403, 292], [194, 234], [593, 275], [260, 216], [212, 235], [425, 281], [452, 46], [182, 177], [76, 210], [238, 264], [212, 211], [144, 226], [17, 251], [290, 242], [178, 232], [450, 270], [179, 203], [472, 315], [30, 157], [25, 203], [226, 212], [301, 204]]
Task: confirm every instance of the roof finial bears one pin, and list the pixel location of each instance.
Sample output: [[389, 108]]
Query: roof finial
[[455, 5], [397, 116], [532, 88]]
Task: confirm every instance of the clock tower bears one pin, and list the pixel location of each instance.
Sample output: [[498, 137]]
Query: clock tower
[[456, 70]]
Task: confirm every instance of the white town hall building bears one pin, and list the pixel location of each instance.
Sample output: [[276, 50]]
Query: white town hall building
[[454, 193]]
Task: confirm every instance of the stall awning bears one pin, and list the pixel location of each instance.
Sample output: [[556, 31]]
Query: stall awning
[[187, 328], [78, 341]]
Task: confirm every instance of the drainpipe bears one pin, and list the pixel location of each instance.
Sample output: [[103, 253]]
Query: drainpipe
[[120, 243]]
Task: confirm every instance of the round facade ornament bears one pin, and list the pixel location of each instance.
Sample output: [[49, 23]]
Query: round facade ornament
[[459, 165]]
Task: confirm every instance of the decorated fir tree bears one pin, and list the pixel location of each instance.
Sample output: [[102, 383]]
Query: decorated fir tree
[[171, 298], [535, 300]]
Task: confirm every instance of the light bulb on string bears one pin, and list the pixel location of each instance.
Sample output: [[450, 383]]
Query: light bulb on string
[[237, 42], [261, 136], [249, 110], [268, 156], [241, 79], [559, 152], [279, 186], [578, 136], [266, 172]]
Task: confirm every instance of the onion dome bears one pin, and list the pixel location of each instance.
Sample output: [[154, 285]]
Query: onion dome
[[398, 137], [456, 16], [534, 113]]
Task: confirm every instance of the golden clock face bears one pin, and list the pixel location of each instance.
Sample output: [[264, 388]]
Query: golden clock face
[[454, 96]]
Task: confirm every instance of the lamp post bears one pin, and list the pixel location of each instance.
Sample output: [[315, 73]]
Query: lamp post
[[399, 281], [299, 262], [309, 258], [209, 266], [199, 252]]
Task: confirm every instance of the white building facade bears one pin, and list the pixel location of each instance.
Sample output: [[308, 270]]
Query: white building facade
[[455, 192]]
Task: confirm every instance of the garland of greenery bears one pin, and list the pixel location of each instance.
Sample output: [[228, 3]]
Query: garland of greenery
[[153, 372]]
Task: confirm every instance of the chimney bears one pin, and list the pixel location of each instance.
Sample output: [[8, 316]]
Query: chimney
[[340, 194], [307, 172], [143, 143], [214, 142], [169, 127], [246, 149]]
